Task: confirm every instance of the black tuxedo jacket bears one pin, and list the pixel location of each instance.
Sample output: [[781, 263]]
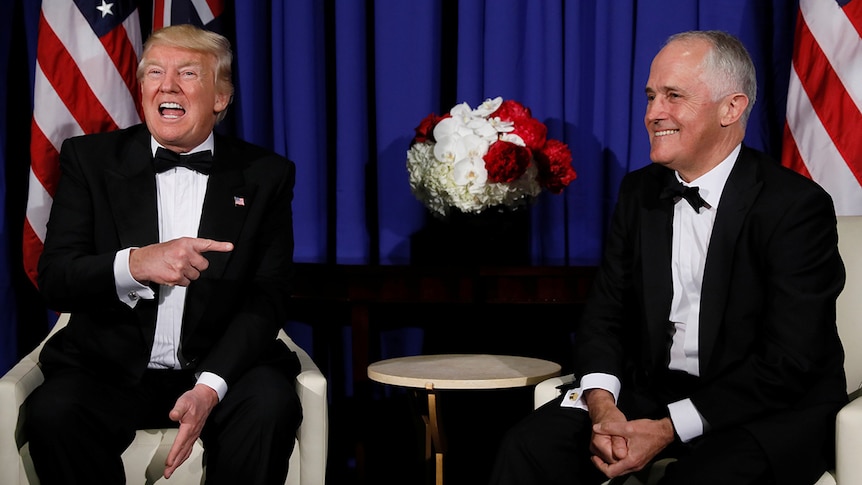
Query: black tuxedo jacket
[[770, 357], [106, 201]]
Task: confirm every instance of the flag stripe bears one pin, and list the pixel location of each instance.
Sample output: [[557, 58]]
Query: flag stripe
[[32, 249], [823, 101], [205, 11], [853, 10], [839, 43], [46, 173], [62, 73], [121, 51], [813, 143], [161, 13], [88, 52], [831, 102], [792, 156], [216, 7], [83, 83]]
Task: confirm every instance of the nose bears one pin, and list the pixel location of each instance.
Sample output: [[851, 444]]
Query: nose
[[654, 110], [169, 83]]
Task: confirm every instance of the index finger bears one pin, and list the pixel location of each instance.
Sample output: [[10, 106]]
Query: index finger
[[180, 451], [611, 428], [203, 245]]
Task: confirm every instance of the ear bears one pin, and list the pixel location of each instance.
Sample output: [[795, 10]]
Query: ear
[[221, 102], [732, 108]]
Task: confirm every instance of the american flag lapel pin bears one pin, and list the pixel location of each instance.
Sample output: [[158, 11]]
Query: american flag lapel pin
[[238, 201]]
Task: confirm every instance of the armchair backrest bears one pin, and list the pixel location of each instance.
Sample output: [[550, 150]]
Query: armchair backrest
[[849, 309]]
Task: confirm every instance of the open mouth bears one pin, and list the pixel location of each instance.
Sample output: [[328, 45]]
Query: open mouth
[[171, 110], [666, 132]]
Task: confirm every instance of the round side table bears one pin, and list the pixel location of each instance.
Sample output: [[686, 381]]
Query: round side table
[[457, 371]]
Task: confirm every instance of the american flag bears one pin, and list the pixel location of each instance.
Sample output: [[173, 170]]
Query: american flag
[[85, 82], [823, 133]]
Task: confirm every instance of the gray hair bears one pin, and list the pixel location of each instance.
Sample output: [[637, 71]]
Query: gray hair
[[187, 36], [728, 64]]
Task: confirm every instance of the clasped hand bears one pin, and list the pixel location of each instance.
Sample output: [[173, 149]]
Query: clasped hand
[[620, 446], [173, 263]]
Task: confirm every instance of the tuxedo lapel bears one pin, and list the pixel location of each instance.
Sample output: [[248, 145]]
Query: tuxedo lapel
[[132, 194], [655, 236], [131, 198], [742, 187], [226, 204]]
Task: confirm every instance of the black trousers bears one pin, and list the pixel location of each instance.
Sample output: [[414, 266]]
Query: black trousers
[[78, 425], [551, 446]]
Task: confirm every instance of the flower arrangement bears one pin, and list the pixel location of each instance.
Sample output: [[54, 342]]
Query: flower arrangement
[[496, 155]]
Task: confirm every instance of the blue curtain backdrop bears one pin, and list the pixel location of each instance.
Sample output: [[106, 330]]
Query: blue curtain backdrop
[[339, 85]]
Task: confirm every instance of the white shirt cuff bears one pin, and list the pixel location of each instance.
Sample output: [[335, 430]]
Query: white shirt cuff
[[215, 382], [575, 397], [599, 380], [129, 291], [687, 421]]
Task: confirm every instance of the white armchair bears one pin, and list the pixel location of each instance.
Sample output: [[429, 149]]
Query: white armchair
[[848, 426], [144, 459]]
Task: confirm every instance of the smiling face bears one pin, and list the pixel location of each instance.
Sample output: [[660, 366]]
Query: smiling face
[[691, 129], [179, 96]]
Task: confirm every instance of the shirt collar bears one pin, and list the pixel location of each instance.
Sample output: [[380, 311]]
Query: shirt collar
[[208, 144], [711, 184]]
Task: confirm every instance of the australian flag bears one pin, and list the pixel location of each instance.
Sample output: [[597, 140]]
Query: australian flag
[[203, 13]]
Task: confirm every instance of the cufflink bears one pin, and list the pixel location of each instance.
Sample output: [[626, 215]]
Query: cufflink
[[133, 295]]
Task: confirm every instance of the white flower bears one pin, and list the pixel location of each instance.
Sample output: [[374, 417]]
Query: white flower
[[488, 106], [512, 138], [471, 172]]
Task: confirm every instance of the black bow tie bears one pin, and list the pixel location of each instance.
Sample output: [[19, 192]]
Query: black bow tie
[[166, 159], [679, 191]]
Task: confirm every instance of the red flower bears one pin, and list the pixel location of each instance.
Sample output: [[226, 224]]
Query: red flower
[[511, 110], [554, 162], [506, 162], [425, 130], [531, 130]]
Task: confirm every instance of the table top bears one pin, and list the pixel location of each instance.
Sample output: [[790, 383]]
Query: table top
[[463, 371]]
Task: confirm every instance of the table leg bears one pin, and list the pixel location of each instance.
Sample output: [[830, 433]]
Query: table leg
[[435, 440]]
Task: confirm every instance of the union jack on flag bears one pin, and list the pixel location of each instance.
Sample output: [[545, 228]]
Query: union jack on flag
[[824, 100], [197, 12]]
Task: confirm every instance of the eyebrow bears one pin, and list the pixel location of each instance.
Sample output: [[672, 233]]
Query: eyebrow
[[182, 65], [648, 89]]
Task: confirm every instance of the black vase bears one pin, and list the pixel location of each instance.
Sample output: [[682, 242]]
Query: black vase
[[498, 237]]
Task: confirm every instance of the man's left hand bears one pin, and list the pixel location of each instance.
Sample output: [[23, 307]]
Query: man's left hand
[[191, 410], [645, 439]]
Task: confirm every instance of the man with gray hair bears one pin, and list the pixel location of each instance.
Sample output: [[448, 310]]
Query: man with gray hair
[[709, 335]]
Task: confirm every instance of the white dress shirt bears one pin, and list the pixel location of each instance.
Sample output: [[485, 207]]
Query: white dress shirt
[[691, 234], [180, 197]]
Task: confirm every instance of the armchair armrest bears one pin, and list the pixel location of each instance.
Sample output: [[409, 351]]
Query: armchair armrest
[[848, 443], [313, 433], [547, 389], [15, 386]]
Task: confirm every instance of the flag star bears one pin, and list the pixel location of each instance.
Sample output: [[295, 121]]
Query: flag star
[[105, 8]]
